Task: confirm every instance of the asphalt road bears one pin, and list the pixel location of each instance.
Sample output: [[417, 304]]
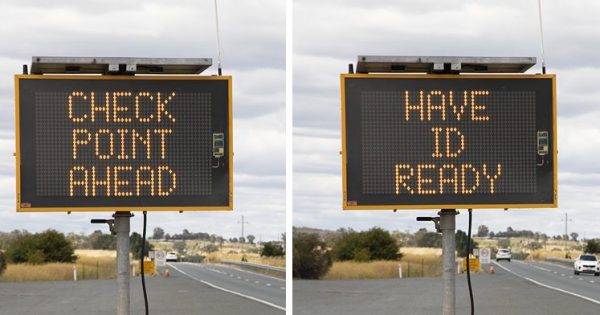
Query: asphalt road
[[497, 294], [261, 288], [177, 294], [556, 277]]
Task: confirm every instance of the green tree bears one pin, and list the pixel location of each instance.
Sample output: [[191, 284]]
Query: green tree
[[179, 247], [374, 244], [574, 236], [271, 249], [430, 239], [311, 259], [158, 233], [592, 246], [48, 246], [251, 238], [135, 245], [461, 244], [105, 241], [2, 263], [483, 231]]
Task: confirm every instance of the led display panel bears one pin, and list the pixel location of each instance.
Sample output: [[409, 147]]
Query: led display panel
[[123, 143], [448, 141]]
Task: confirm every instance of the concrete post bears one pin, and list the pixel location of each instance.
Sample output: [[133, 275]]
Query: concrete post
[[122, 220], [448, 226]]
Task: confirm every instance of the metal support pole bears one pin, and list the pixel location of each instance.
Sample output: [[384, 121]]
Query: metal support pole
[[122, 230], [448, 226]]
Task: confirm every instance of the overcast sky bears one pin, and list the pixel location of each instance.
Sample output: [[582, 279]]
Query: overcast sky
[[253, 53], [328, 35]]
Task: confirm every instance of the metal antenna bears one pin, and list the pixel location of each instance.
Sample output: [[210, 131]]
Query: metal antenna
[[218, 38], [542, 37]]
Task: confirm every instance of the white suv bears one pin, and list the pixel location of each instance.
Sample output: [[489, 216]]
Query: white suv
[[587, 263], [503, 254]]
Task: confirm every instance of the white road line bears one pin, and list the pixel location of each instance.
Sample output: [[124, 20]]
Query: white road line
[[252, 272], [562, 274], [282, 288], [549, 287], [540, 268], [268, 284], [230, 291], [554, 265]]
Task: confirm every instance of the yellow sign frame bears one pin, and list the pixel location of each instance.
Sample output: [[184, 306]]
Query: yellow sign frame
[[19, 205], [554, 153]]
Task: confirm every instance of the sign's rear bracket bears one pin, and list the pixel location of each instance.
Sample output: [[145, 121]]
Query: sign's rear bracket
[[118, 65], [443, 64]]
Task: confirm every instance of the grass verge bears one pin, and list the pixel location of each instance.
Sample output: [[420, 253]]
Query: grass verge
[[90, 265]]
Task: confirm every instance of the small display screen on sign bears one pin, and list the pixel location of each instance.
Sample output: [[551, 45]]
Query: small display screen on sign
[[432, 141], [137, 143]]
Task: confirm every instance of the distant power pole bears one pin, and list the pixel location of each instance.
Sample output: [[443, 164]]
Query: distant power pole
[[566, 219], [243, 222]]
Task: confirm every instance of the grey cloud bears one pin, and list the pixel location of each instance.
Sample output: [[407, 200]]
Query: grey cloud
[[253, 52], [329, 35]]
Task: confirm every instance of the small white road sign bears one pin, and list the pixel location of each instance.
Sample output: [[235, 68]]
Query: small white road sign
[[160, 257], [485, 255]]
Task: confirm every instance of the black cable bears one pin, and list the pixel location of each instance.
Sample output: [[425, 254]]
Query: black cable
[[468, 268], [142, 263]]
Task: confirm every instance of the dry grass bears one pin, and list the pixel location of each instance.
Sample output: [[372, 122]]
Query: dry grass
[[416, 262], [421, 262], [380, 269], [90, 264], [251, 257]]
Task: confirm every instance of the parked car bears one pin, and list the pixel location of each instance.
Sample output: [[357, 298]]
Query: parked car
[[172, 256], [587, 263], [503, 254]]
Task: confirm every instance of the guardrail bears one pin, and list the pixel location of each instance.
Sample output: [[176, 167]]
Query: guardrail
[[265, 269]]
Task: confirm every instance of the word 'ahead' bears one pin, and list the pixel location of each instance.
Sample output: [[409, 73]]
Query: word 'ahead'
[[124, 143]]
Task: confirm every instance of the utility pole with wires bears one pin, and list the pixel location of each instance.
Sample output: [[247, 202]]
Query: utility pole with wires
[[243, 221], [566, 237]]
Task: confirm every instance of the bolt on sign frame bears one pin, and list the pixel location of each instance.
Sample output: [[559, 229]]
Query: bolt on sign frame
[[123, 143], [448, 141]]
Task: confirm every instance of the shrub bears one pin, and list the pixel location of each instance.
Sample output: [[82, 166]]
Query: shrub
[[534, 245], [210, 248], [105, 241], [430, 239], [592, 246], [271, 249], [48, 246], [461, 244], [135, 245], [2, 263], [311, 258], [193, 258], [374, 244]]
